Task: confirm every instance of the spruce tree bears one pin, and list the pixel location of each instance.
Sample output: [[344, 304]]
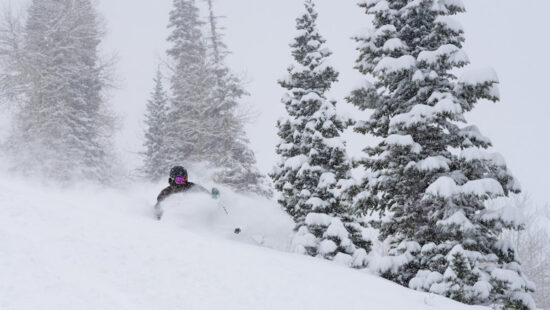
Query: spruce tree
[[190, 86], [313, 176], [431, 175], [156, 116], [229, 149], [63, 127]]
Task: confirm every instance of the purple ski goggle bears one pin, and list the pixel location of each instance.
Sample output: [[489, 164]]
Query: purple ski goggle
[[180, 180]]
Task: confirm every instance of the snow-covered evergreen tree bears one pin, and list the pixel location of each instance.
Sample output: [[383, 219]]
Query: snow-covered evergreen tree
[[63, 128], [156, 116], [432, 177], [229, 147], [190, 86], [203, 124], [313, 176]]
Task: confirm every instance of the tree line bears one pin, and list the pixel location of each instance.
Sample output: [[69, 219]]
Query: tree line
[[428, 186], [199, 121]]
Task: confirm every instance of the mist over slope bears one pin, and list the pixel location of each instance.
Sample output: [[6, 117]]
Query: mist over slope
[[92, 248]]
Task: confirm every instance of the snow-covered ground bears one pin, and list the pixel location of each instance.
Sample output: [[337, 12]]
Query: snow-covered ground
[[102, 249]]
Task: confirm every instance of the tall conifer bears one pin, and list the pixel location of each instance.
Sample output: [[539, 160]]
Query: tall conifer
[[190, 85], [228, 148], [155, 165], [63, 128], [313, 176], [432, 174]]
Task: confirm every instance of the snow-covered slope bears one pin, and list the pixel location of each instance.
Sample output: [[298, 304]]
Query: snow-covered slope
[[98, 249]]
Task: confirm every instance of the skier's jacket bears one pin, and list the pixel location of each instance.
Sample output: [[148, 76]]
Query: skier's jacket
[[179, 188]]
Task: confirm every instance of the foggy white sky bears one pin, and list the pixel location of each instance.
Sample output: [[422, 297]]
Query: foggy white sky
[[511, 36]]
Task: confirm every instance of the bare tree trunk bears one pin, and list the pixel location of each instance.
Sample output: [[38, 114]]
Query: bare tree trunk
[[214, 33]]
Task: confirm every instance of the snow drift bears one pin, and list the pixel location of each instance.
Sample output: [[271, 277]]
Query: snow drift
[[102, 249]]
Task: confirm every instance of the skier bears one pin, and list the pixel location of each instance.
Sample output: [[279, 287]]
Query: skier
[[179, 183]]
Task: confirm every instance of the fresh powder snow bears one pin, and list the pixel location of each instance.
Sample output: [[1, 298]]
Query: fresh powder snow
[[102, 249]]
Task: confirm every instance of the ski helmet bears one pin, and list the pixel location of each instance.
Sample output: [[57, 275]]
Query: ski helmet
[[178, 171]]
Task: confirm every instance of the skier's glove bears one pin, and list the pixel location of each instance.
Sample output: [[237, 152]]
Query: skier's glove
[[215, 193]]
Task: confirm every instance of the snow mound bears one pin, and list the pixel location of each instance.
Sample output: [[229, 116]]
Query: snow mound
[[392, 65], [261, 222], [479, 76], [446, 187], [92, 248]]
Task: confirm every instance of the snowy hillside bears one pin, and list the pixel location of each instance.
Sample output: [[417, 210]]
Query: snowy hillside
[[97, 249]]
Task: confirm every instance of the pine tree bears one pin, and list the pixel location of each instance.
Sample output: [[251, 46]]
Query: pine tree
[[155, 166], [432, 177], [63, 128], [313, 176], [190, 86], [12, 58], [229, 147]]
